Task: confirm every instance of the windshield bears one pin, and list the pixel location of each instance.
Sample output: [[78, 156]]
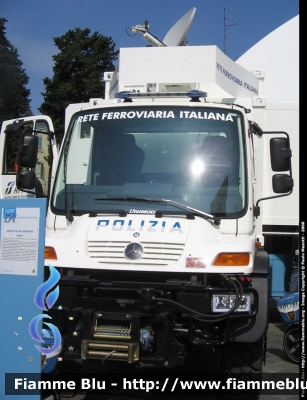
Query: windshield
[[191, 155]]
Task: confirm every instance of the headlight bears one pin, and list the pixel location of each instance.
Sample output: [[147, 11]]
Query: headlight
[[224, 302]]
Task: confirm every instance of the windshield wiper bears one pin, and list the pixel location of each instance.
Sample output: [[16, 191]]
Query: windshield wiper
[[121, 213], [189, 212], [132, 199], [193, 211]]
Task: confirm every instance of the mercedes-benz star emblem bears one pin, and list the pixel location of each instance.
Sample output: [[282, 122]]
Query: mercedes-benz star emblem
[[133, 251]]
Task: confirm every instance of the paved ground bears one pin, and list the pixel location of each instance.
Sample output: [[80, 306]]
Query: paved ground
[[276, 359]]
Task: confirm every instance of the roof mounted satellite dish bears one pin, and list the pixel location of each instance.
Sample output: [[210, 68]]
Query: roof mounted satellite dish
[[176, 36]]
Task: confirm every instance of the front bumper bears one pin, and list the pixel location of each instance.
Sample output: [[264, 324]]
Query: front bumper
[[151, 321]]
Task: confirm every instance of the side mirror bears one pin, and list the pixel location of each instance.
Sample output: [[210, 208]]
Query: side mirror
[[27, 156], [282, 183], [280, 154], [28, 149], [26, 180]]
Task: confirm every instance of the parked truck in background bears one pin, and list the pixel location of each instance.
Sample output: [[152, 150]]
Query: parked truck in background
[[154, 216]]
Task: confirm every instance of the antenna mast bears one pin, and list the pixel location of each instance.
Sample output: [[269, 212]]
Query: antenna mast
[[227, 25]]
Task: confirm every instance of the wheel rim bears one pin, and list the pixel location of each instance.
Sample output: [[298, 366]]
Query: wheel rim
[[292, 344]]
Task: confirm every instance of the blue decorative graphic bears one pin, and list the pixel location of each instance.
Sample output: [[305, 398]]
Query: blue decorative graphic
[[45, 302], [9, 188], [40, 295], [36, 336]]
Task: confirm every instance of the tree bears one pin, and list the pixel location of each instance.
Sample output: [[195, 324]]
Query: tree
[[78, 72], [14, 96]]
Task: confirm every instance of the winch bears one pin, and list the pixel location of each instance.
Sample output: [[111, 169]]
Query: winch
[[117, 339]]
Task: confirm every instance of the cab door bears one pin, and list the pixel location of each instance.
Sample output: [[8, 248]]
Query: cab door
[[11, 130]]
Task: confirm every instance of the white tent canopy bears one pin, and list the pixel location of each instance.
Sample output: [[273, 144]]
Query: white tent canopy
[[277, 54]]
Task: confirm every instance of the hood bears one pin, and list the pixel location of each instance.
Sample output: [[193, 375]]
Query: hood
[[144, 243]]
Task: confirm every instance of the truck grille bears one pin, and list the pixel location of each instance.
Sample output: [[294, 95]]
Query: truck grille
[[154, 253]]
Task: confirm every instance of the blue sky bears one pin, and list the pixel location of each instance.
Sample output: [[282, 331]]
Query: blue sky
[[32, 25]]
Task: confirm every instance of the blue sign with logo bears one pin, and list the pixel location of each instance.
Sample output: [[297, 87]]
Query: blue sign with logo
[[22, 233]]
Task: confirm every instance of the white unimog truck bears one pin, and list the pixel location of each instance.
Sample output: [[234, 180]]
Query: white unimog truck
[[154, 204]]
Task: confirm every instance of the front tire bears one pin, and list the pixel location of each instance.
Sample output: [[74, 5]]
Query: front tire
[[243, 361]]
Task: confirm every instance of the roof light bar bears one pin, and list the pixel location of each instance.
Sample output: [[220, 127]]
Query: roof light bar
[[193, 94]]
